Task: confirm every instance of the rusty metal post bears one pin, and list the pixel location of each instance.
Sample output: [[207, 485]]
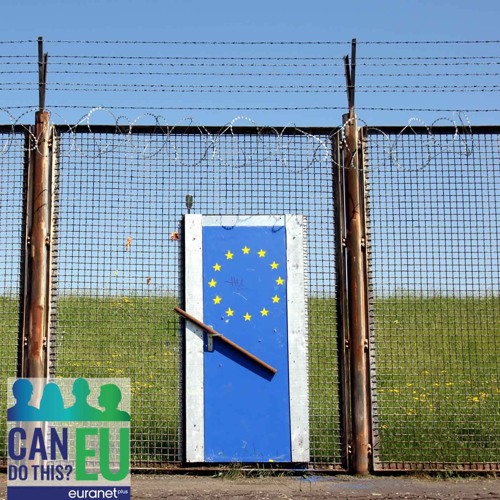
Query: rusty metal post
[[341, 285], [357, 288], [36, 322], [38, 224]]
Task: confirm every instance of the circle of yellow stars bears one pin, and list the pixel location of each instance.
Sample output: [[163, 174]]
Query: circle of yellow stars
[[217, 300]]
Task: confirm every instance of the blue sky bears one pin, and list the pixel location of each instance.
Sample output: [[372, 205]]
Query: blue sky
[[259, 20], [195, 20], [256, 20]]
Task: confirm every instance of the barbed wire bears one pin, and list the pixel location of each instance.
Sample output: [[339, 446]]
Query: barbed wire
[[13, 42], [249, 58], [278, 42], [259, 89], [291, 72], [33, 108], [438, 75], [252, 65], [423, 58], [319, 146], [272, 58], [245, 74], [427, 65], [221, 61], [258, 74], [432, 148], [146, 149], [255, 42]]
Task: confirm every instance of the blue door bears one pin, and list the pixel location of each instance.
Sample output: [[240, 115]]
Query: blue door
[[247, 414], [247, 411]]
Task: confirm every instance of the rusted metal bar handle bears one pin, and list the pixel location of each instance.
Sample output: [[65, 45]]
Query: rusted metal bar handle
[[211, 331]]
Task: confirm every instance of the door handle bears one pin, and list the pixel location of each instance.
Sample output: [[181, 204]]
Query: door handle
[[214, 333]]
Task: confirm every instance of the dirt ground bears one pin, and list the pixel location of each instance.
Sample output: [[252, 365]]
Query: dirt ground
[[177, 487]]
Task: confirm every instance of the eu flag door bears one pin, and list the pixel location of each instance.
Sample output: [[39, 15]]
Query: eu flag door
[[245, 279]]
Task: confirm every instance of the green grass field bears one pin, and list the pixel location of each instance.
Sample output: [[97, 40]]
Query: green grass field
[[9, 326], [437, 366], [438, 379], [135, 338]]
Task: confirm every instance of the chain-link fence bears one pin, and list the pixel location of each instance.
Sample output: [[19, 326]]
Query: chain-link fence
[[12, 202], [433, 211], [434, 208], [121, 198]]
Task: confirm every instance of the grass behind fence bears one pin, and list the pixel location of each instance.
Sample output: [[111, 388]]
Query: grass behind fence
[[438, 379], [9, 326], [437, 360], [137, 337], [131, 337], [438, 371]]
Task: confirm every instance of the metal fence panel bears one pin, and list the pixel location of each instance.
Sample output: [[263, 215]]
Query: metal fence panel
[[121, 197], [434, 269], [434, 210], [12, 196]]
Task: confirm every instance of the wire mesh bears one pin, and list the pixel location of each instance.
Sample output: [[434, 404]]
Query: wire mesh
[[121, 199], [434, 206], [12, 172]]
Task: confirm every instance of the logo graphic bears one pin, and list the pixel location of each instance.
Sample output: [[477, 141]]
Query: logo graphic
[[68, 438]]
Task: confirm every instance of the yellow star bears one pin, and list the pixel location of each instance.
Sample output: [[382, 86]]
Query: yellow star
[[217, 299], [276, 299], [262, 253], [245, 250], [217, 267], [274, 265], [230, 312], [280, 280], [229, 255], [264, 311], [212, 283], [247, 317]]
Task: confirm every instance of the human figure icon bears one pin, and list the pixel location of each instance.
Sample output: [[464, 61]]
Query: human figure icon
[[22, 389], [109, 399], [81, 409], [52, 404]]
